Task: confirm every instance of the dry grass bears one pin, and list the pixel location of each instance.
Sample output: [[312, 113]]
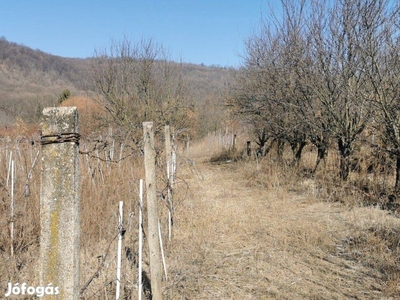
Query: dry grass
[[244, 230], [19, 268], [256, 232], [103, 185], [91, 114]]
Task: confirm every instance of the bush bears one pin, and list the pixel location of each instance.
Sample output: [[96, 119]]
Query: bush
[[64, 96]]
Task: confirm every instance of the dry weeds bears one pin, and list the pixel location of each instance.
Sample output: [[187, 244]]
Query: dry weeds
[[266, 236], [243, 230]]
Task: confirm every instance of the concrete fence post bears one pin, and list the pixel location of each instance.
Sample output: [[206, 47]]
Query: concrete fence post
[[60, 204], [187, 144], [168, 149], [173, 157], [168, 158], [152, 210]]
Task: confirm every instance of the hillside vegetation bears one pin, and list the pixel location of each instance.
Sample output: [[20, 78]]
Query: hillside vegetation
[[242, 230], [31, 79]]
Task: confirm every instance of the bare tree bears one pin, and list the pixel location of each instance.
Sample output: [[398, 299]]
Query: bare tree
[[382, 57], [267, 94], [137, 83], [338, 32], [308, 76], [253, 93]]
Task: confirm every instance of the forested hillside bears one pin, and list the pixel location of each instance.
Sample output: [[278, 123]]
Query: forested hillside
[[32, 79]]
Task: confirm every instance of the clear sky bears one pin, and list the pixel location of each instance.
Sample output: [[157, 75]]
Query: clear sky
[[198, 31]]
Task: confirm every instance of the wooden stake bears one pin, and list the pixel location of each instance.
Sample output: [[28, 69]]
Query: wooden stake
[[9, 168], [12, 210], [140, 281], [162, 251], [120, 233], [170, 207], [248, 148]]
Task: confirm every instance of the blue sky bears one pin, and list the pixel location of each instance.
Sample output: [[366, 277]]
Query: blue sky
[[198, 31]]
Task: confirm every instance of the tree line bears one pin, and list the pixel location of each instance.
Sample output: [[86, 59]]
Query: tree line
[[137, 81], [324, 72]]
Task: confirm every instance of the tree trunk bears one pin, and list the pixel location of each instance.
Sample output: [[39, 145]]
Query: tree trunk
[[396, 185], [344, 167], [322, 144], [248, 148], [262, 140], [280, 148], [297, 149], [345, 151], [321, 155]]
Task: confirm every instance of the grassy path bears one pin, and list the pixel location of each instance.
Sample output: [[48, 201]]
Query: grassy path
[[237, 241]]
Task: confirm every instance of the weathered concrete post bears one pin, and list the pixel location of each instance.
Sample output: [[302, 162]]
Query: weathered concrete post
[[187, 144], [168, 158], [173, 158], [168, 149], [152, 210], [60, 203]]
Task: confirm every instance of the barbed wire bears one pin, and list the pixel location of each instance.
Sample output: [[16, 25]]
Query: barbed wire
[[60, 138]]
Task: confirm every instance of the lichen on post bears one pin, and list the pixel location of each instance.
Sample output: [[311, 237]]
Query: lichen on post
[[60, 203]]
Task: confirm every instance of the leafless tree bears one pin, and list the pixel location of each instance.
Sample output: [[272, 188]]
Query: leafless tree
[[382, 56], [340, 68], [138, 82], [320, 72], [267, 94]]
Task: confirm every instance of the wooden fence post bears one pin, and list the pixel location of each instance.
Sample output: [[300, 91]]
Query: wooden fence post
[[60, 203], [233, 141], [248, 148], [152, 210]]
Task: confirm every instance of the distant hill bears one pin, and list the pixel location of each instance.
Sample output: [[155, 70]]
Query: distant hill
[[32, 79], [73, 70]]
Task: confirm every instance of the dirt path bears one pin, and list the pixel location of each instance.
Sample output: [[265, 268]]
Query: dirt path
[[235, 241]]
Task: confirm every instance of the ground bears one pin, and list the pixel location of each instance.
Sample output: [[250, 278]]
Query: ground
[[235, 239]]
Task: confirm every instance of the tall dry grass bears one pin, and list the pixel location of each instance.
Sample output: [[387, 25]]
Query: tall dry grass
[[269, 229], [243, 228], [20, 267], [104, 183]]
